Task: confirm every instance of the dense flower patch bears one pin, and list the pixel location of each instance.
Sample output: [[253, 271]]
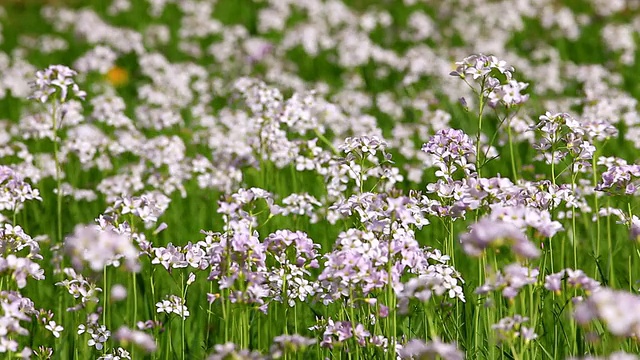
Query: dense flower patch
[[320, 180]]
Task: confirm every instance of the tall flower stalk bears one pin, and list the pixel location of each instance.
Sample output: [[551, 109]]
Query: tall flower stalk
[[54, 87]]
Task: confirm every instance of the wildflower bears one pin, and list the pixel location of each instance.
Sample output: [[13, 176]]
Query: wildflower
[[118, 292], [490, 233], [117, 76], [56, 79], [100, 248], [509, 328], [14, 191], [173, 304], [451, 148], [612, 308], [510, 281], [54, 328], [141, 339], [230, 351], [289, 344], [418, 349]]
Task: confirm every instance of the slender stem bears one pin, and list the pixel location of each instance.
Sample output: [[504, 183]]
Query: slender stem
[[596, 206], [610, 245], [513, 157], [56, 158], [480, 113], [184, 319]]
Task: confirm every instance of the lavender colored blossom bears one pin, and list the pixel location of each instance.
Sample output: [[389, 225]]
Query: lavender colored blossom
[[611, 307], [14, 191], [289, 344], [231, 351], [451, 150], [491, 233], [140, 339], [434, 349], [619, 179], [100, 248], [510, 328], [513, 278]]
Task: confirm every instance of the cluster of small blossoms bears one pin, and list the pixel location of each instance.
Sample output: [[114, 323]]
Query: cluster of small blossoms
[[299, 205], [237, 262], [435, 265], [178, 257], [420, 288], [618, 355], [510, 328], [380, 212], [173, 305], [13, 240], [267, 124], [561, 135], [436, 348], [620, 179], [363, 147], [14, 309], [365, 158], [283, 346], [524, 217], [14, 191], [435, 277], [231, 351], [98, 334], [510, 280], [235, 217], [451, 149], [79, 288], [116, 354], [294, 253], [58, 80], [287, 344], [484, 69], [97, 247], [611, 307], [337, 333], [146, 207], [496, 233], [575, 279]]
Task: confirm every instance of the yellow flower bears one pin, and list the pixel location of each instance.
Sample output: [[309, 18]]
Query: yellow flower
[[117, 76]]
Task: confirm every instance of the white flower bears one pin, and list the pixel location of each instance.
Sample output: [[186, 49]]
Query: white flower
[[54, 328]]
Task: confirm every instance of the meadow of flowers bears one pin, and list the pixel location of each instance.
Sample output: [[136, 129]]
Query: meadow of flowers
[[319, 179]]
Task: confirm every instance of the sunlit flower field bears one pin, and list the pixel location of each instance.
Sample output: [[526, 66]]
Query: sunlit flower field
[[319, 179]]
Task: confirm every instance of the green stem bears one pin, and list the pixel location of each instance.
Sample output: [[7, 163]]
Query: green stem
[[513, 157]]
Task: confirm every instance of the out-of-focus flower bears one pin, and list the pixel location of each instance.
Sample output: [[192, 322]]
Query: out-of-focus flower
[[117, 76], [492, 233], [434, 349], [140, 339], [100, 247]]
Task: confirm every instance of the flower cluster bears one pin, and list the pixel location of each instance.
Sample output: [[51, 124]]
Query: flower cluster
[[173, 305], [56, 80], [97, 247], [513, 278], [510, 328], [14, 191], [495, 233], [436, 348], [620, 179], [485, 70], [611, 307], [451, 150]]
